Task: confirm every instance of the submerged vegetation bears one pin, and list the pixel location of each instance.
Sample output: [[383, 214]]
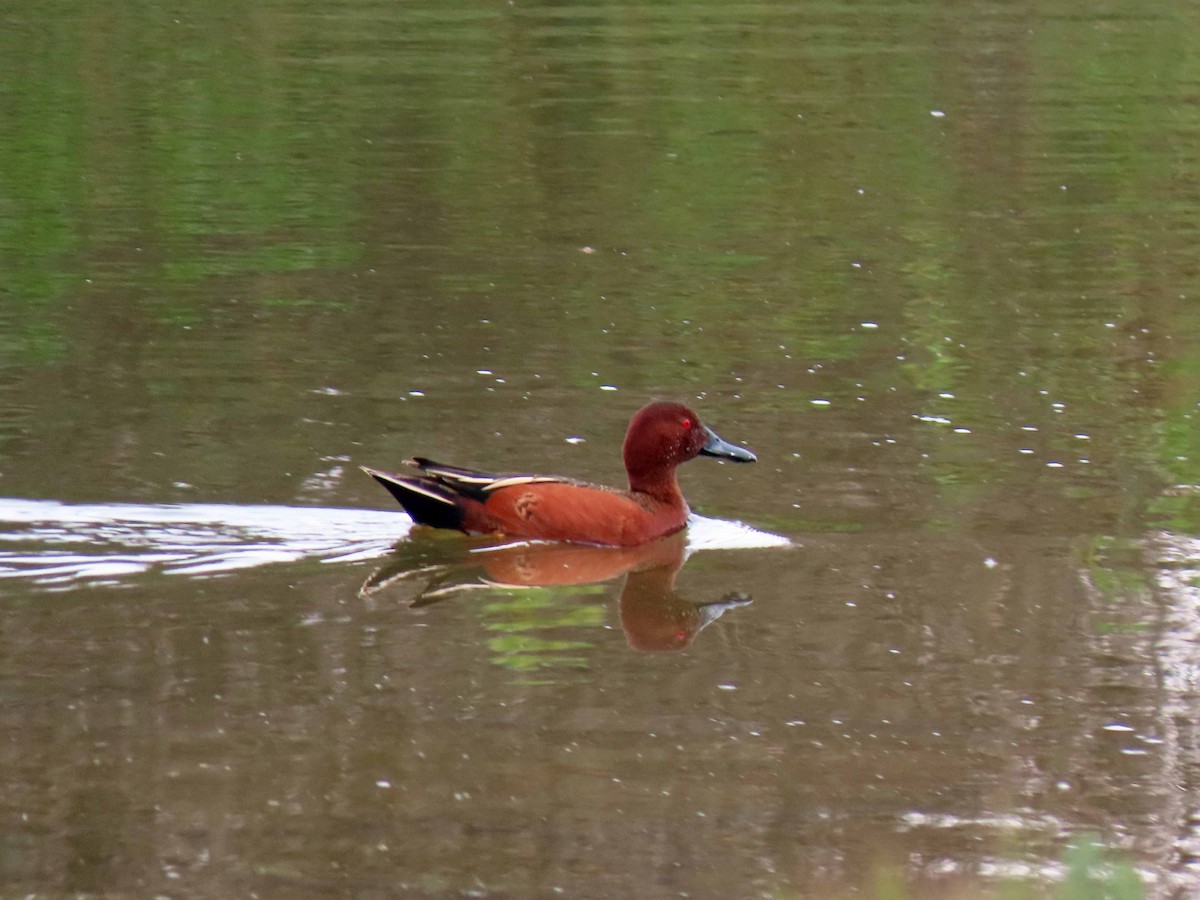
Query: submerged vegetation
[[1088, 872]]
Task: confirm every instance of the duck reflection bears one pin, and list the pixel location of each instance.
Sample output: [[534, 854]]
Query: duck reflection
[[654, 616]]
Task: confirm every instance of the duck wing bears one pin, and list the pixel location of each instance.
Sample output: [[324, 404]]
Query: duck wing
[[440, 495], [474, 483]]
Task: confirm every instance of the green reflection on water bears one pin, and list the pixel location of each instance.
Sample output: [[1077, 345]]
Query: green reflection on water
[[522, 617], [145, 150], [211, 213]]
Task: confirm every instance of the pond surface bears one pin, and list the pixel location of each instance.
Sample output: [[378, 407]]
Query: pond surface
[[935, 264]]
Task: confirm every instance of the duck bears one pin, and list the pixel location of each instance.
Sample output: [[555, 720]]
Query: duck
[[661, 436]]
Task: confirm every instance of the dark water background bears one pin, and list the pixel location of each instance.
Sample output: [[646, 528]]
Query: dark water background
[[935, 263]]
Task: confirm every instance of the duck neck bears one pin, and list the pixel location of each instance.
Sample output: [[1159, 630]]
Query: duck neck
[[659, 484]]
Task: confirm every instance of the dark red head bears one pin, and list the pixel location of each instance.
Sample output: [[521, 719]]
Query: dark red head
[[665, 434]]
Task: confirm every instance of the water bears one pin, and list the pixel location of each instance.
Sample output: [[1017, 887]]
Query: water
[[934, 265]]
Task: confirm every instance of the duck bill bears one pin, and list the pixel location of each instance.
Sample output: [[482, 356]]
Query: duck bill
[[724, 449]]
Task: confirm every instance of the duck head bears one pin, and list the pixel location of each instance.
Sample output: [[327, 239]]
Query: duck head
[[662, 435]]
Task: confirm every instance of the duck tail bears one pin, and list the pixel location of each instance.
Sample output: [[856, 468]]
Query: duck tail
[[426, 501]]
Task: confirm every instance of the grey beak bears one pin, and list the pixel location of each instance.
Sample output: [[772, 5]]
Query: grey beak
[[724, 449]]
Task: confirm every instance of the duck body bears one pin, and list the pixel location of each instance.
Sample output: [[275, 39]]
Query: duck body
[[552, 508]]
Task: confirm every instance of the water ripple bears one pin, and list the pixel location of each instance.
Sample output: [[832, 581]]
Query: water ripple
[[60, 544]]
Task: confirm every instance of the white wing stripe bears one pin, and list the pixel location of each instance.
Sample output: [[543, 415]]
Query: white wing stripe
[[518, 480]]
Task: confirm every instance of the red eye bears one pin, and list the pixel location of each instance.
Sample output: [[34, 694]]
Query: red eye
[[686, 423]]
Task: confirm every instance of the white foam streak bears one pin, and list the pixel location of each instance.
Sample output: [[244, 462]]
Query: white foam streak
[[57, 544]]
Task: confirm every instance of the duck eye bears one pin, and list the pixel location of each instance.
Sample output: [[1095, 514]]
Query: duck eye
[[686, 423]]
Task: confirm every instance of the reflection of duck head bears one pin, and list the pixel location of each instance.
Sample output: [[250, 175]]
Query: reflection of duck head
[[653, 615]]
